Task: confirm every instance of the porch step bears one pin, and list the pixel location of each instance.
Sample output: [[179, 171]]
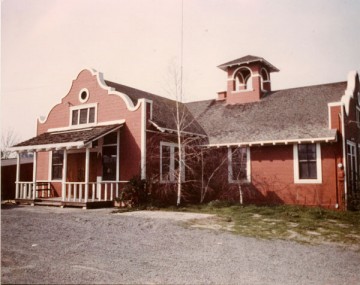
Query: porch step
[[47, 203], [59, 203]]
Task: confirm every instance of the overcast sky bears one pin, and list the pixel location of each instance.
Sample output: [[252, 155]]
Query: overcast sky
[[46, 43]]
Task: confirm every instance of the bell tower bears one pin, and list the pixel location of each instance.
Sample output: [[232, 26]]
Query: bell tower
[[248, 79]]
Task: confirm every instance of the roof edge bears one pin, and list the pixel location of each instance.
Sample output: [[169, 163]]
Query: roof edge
[[277, 142]]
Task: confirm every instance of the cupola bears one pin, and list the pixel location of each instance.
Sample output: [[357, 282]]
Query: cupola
[[248, 79]]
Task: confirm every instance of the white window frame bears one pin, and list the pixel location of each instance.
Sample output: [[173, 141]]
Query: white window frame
[[297, 179], [248, 167], [358, 116], [172, 177], [349, 157], [81, 107], [50, 176]]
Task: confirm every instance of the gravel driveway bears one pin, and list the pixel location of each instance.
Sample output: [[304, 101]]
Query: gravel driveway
[[54, 245]]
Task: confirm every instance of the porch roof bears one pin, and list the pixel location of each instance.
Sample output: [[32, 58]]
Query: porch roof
[[77, 138]]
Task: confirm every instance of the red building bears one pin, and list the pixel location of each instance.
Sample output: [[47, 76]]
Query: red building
[[253, 144]]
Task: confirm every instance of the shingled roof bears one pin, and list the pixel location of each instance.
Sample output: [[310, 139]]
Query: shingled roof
[[164, 109], [284, 115], [246, 60], [71, 138]]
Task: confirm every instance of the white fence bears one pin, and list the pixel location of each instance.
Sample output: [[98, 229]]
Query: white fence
[[25, 190], [91, 192], [71, 191]]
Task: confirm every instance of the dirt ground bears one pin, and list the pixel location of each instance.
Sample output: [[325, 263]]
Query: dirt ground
[[74, 246]]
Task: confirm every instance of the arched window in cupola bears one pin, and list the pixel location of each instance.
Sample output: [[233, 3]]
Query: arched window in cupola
[[265, 80], [243, 79]]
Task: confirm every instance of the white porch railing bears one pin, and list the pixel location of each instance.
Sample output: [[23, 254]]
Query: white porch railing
[[92, 191], [25, 190]]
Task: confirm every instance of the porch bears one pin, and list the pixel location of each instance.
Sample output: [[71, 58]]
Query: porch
[[75, 194], [83, 168]]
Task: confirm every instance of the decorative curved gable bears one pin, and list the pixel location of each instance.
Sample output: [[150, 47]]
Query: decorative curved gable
[[89, 88], [352, 83], [101, 83]]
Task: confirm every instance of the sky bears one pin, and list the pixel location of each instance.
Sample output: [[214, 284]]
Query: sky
[[46, 43]]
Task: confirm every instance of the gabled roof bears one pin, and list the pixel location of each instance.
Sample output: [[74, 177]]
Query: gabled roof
[[289, 115], [246, 60], [164, 109], [66, 139]]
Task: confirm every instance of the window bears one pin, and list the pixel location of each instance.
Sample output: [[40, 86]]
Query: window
[[351, 165], [239, 164], [169, 162], [109, 156], [243, 80], [83, 95], [57, 164], [358, 116], [307, 163], [82, 116]]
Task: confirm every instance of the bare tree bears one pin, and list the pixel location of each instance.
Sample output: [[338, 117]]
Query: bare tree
[[8, 139], [218, 166]]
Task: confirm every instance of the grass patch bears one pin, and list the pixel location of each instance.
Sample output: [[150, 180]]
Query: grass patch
[[302, 224]]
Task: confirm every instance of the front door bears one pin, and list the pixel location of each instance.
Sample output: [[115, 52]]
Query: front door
[[76, 167]]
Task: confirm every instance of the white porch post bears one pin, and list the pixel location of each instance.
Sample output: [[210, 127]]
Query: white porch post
[[87, 168], [17, 185], [64, 173], [34, 175], [118, 156], [117, 164]]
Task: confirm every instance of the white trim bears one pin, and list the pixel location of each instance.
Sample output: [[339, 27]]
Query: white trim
[[224, 66], [44, 147], [163, 130], [358, 116], [67, 145], [49, 165], [352, 144], [143, 138], [248, 167], [242, 67], [18, 163], [344, 153], [118, 155], [330, 105], [111, 91], [297, 179], [64, 174], [87, 95], [82, 107], [267, 75], [172, 178], [34, 173], [350, 90], [334, 104], [275, 142]]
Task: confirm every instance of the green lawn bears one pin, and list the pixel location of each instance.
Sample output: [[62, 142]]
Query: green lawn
[[302, 224]]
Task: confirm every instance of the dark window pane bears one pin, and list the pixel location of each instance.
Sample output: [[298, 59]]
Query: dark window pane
[[307, 161], [92, 115], [165, 163], [110, 138], [109, 162], [75, 117], [312, 170], [57, 164], [239, 163], [83, 116]]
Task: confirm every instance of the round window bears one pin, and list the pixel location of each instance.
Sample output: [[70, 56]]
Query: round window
[[83, 95]]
